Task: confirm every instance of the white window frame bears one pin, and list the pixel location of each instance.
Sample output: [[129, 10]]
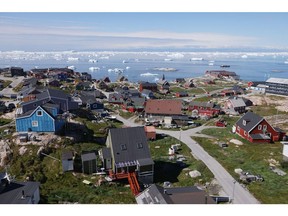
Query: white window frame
[[244, 122], [34, 123], [264, 127], [245, 133], [39, 114], [259, 127]]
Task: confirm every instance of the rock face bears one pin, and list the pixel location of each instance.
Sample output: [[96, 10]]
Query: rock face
[[22, 150], [194, 174], [5, 151]]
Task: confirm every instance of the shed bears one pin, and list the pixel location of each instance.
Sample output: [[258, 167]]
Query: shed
[[285, 150], [89, 163], [67, 161], [150, 132]]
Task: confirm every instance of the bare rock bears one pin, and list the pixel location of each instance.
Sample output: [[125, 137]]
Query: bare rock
[[194, 174], [22, 150]]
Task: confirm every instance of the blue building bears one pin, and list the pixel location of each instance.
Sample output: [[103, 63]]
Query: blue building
[[42, 119]]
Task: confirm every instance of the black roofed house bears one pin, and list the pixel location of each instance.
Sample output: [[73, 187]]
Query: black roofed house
[[156, 194], [90, 102], [13, 71], [86, 76], [89, 163], [86, 86], [130, 154], [102, 85], [14, 192], [148, 94], [180, 80], [255, 128], [67, 161], [147, 85], [58, 97], [115, 98]]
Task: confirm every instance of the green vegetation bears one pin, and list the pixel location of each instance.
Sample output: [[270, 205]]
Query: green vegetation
[[6, 83], [170, 170], [265, 110], [250, 157], [4, 121]]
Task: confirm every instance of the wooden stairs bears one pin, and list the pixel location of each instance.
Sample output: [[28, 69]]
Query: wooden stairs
[[134, 185]]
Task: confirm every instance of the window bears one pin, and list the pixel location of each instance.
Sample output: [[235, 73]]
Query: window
[[34, 123], [259, 127], [245, 133], [244, 122], [95, 106], [264, 127], [123, 147], [139, 145], [39, 113], [238, 128], [35, 105]]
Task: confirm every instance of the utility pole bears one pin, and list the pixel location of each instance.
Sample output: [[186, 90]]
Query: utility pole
[[233, 191]]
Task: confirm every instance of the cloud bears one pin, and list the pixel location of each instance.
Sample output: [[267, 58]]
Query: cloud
[[83, 37]]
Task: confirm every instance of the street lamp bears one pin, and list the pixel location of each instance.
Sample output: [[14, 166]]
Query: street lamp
[[233, 190]]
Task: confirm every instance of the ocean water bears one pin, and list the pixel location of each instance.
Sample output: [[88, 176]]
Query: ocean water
[[140, 66]]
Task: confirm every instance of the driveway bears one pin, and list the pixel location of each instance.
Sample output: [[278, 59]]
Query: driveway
[[231, 187]]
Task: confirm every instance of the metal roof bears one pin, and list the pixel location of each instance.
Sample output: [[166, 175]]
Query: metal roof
[[88, 156], [13, 192], [67, 155], [129, 144], [237, 102], [179, 195], [277, 80], [249, 121]]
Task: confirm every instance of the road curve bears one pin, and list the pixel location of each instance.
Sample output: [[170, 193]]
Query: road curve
[[231, 187]]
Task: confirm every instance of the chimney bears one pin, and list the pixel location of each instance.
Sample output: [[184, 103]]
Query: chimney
[[23, 195]]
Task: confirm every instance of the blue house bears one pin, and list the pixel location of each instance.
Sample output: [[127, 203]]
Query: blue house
[[42, 119]]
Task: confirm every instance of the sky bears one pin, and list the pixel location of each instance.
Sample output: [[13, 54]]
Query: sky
[[187, 31]]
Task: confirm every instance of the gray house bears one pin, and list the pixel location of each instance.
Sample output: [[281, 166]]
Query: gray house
[[89, 163], [130, 153], [67, 161], [13, 192], [156, 194]]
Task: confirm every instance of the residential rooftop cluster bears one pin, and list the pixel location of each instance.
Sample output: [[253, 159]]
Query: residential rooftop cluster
[[52, 100]]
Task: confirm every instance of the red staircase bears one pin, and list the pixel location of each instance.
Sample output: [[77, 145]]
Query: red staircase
[[134, 185]]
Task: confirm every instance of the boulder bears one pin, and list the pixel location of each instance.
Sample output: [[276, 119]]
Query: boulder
[[22, 150], [194, 174]]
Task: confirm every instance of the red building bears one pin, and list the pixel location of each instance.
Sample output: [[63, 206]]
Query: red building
[[150, 86], [181, 94], [150, 132], [255, 128], [204, 108]]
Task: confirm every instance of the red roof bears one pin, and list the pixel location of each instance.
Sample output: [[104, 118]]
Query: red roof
[[169, 107]]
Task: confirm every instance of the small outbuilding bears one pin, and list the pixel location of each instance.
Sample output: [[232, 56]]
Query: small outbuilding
[[67, 161], [89, 163]]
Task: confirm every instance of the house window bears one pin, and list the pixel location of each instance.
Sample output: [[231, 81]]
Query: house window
[[95, 106], [39, 113], [139, 145], [245, 133], [34, 123], [264, 127], [35, 105], [259, 127], [244, 122], [238, 128], [123, 147]]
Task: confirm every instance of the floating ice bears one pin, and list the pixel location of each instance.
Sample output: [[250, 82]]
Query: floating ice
[[149, 74], [176, 55], [94, 68], [196, 59], [93, 60], [73, 59]]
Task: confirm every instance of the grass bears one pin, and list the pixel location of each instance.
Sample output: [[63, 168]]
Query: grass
[[249, 157], [6, 83], [4, 121], [170, 170], [265, 110]]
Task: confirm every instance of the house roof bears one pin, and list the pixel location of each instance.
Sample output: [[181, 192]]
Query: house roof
[[147, 91], [13, 192], [179, 195], [237, 102], [31, 112], [169, 107], [88, 156], [203, 104], [106, 153], [129, 144], [67, 155], [277, 80], [149, 129], [250, 120], [148, 84]]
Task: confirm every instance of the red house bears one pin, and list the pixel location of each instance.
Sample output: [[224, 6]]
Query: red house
[[150, 86], [204, 108], [256, 129], [150, 132]]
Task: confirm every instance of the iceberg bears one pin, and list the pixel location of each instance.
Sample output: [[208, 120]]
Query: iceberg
[[73, 59], [94, 68], [72, 67], [196, 59], [93, 60], [149, 74]]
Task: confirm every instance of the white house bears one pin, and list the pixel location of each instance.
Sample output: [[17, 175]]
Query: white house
[[285, 150]]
